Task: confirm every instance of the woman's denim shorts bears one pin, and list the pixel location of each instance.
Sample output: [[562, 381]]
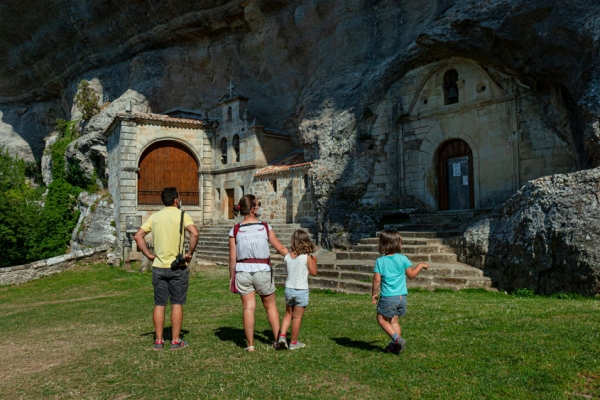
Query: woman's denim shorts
[[392, 306]]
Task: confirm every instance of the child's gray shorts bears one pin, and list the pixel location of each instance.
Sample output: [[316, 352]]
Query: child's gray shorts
[[392, 306]]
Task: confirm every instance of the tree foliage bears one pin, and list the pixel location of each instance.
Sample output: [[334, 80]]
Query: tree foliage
[[57, 221], [28, 230], [60, 214], [19, 209]]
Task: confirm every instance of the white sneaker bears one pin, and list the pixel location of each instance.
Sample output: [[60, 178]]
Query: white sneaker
[[282, 344], [298, 345]]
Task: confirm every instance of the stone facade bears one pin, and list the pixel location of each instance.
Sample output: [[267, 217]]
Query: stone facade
[[240, 149], [128, 136], [234, 158], [509, 138], [285, 191]]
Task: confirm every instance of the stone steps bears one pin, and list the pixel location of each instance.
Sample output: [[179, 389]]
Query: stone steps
[[352, 271], [406, 241], [406, 249], [213, 242], [446, 223], [357, 276], [415, 257]]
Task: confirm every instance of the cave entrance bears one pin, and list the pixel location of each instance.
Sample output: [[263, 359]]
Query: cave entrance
[[455, 176]]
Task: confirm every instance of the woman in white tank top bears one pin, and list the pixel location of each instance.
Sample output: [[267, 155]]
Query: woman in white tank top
[[250, 267]]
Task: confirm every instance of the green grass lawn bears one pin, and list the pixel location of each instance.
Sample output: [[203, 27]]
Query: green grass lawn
[[87, 333]]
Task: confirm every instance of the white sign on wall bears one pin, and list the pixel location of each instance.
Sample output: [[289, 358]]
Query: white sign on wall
[[456, 169]]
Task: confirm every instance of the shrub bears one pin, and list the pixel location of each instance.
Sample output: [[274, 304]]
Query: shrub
[[86, 100], [19, 209], [33, 170], [59, 216], [72, 173], [57, 220]]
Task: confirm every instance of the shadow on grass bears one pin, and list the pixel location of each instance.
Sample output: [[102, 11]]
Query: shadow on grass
[[357, 344], [237, 336], [167, 333]]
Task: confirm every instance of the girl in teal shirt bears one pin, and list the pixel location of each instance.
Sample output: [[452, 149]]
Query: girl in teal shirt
[[391, 270]]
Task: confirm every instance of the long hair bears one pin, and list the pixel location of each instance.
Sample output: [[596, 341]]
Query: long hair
[[390, 242], [301, 243], [244, 205]]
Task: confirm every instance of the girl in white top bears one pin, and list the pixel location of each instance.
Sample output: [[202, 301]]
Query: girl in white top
[[299, 264], [250, 266]]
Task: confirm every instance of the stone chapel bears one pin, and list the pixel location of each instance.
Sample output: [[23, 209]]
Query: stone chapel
[[457, 135], [212, 161]]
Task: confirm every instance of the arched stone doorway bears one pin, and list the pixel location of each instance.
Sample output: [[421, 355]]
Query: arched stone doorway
[[455, 176], [168, 163]]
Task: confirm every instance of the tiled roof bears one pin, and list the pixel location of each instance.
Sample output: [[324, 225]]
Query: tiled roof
[[166, 118], [291, 161], [157, 117]]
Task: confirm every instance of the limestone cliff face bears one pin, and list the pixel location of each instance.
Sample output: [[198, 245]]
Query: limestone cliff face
[[544, 237], [299, 61]]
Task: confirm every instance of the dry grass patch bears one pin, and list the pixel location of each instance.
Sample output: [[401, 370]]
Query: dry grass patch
[[42, 349]]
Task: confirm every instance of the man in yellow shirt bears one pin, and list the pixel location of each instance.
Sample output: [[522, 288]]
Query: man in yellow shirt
[[168, 281]]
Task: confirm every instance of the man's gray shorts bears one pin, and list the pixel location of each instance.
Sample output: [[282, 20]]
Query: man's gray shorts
[[248, 282], [170, 283]]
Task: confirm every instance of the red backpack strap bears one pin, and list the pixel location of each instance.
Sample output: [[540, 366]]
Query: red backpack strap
[[236, 229]]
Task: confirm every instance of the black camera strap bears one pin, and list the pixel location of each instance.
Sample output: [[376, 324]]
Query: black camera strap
[[181, 234]]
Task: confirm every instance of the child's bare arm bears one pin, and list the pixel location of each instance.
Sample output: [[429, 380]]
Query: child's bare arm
[[414, 271], [375, 288], [281, 249], [312, 265]]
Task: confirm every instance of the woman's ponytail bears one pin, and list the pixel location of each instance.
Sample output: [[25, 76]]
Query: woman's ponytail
[[244, 205]]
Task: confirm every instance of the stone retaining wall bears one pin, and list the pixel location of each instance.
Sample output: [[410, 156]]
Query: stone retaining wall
[[28, 272]]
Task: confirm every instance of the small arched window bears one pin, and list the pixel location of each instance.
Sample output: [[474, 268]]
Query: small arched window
[[450, 87], [224, 151], [236, 147], [229, 114]]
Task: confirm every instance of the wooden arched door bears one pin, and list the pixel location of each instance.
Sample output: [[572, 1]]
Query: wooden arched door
[[455, 176], [165, 164]]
